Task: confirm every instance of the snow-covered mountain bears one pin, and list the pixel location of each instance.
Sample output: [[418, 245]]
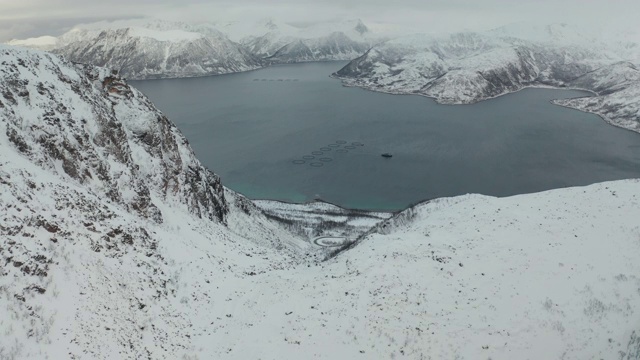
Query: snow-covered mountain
[[278, 42], [336, 46], [115, 243], [469, 67], [151, 49]]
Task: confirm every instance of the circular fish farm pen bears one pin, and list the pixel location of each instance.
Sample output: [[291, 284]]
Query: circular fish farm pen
[[331, 241]]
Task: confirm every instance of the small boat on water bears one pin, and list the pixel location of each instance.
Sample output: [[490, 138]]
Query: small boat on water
[[386, 155]]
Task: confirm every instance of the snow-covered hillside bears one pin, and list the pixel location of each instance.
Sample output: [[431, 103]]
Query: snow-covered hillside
[[469, 67], [58, 117], [279, 42], [102, 201], [321, 219], [115, 243], [153, 49]]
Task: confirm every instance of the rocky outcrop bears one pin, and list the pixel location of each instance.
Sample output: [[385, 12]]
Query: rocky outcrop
[[88, 125]]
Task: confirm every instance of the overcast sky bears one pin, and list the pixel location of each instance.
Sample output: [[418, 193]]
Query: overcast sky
[[27, 18]]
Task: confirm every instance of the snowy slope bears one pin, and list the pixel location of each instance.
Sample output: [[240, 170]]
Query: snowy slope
[[542, 276], [107, 217], [618, 100], [320, 219], [120, 145], [90, 271]]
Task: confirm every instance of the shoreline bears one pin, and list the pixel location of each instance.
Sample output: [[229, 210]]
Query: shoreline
[[353, 84]]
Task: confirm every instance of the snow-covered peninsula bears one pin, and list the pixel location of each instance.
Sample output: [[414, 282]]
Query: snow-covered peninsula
[[469, 67]]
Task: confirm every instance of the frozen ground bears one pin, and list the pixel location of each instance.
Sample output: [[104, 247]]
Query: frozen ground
[[115, 243], [321, 219]]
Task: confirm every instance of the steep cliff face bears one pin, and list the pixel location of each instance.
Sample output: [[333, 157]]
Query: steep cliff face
[[88, 125], [112, 234]]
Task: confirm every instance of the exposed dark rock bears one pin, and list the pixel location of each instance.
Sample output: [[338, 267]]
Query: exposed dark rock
[[97, 148]]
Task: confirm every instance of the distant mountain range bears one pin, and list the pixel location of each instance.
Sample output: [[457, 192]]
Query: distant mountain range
[[452, 68], [282, 43], [142, 49]]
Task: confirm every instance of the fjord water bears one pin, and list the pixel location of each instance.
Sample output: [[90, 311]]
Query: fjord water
[[258, 130]]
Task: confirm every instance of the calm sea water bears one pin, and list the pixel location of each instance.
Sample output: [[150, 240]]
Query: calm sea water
[[292, 133]]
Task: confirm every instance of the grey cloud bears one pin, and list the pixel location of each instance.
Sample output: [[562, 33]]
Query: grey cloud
[[51, 17]]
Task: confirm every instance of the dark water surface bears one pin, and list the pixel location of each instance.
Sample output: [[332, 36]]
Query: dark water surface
[[259, 130]]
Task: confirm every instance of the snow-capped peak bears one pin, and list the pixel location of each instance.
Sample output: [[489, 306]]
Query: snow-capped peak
[[361, 28]]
